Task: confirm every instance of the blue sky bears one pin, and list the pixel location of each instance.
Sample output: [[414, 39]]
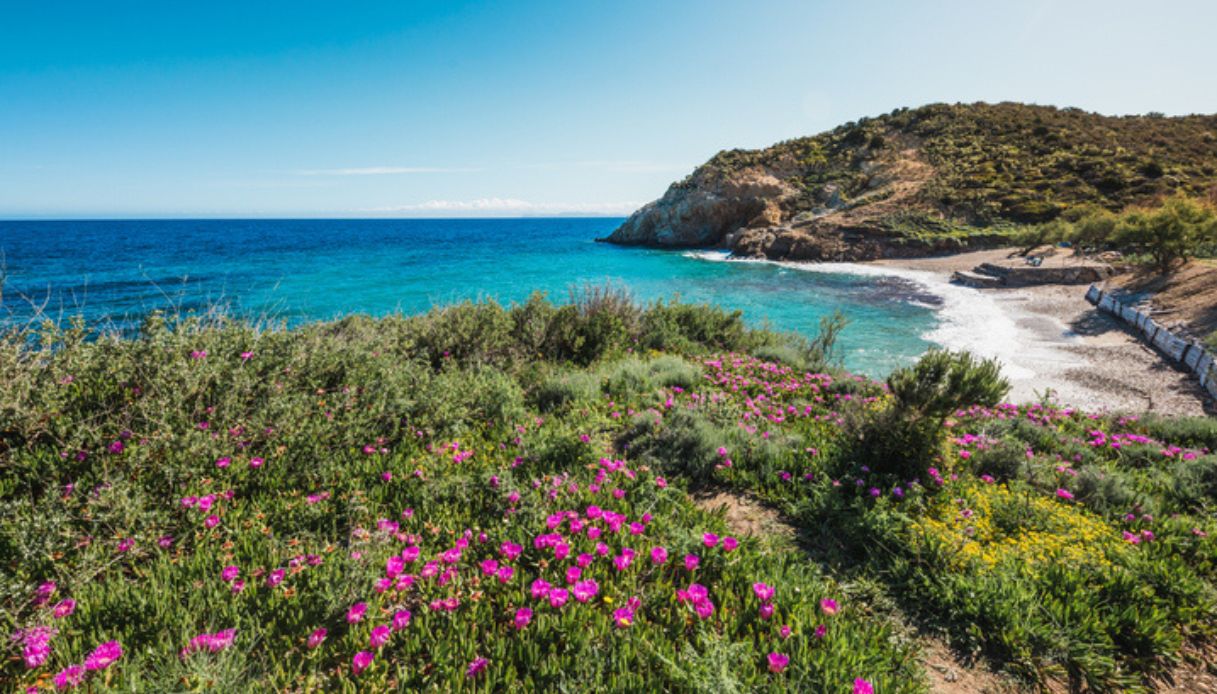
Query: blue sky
[[122, 109]]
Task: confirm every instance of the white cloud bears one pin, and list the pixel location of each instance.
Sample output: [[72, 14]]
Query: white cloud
[[381, 171], [510, 207]]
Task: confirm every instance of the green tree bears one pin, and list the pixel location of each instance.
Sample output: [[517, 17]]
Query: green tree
[[1174, 232]]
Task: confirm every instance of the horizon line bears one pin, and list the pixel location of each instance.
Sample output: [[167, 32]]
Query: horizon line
[[4, 220]]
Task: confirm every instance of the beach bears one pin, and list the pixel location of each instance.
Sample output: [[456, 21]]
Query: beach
[[1061, 342]]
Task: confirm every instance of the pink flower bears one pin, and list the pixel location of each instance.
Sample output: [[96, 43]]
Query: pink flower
[[229, 573], [691, 561], [778, 662], [763, 592], [523, 617], [317, 637], [256, 462], [401, 620], [557, 597], [65, 607], [829, 606], [476, 666], [246, 356], [766, 611], [1064, 494], [223, 462], [379, 636], [623, 617], [540, 589], [785, 631], [356, 613], [104, 656], [70, 677], [211, 521], [659, 555], [709, 539], [504, 574], [585, 590], [275, 577], [730, 543], [361, 661], [861, 686], [704, 608], [820, 631]]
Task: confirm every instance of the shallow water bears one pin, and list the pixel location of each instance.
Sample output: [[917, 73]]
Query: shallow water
[[305, 270]]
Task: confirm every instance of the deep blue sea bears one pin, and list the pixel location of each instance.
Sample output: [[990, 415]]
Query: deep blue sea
[[309, 270]]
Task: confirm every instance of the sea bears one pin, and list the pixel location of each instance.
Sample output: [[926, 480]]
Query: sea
[[297, 271]]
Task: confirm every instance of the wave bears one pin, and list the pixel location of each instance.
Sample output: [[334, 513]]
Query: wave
[[968, 318]]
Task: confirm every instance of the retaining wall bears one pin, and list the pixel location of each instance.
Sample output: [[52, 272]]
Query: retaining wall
[[1189, 355]]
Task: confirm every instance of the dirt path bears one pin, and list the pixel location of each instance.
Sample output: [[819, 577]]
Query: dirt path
[[947, 673]]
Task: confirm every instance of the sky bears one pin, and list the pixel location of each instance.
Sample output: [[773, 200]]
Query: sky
[[406, 109]]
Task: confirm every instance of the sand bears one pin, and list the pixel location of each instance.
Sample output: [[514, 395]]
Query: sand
[[1062, 343]]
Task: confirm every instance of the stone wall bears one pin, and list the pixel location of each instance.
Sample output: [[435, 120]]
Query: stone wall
[[1028, 276], [1187, 354]]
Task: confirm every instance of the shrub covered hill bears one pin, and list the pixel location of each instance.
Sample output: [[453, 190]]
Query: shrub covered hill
[[925, 180], [485, 498]]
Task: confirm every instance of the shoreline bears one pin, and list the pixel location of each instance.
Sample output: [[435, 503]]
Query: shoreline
[[1088, 359]]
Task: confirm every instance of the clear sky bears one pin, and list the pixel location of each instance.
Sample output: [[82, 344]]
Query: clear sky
[[172, 109]]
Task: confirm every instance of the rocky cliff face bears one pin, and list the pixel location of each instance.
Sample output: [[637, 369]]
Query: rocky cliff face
[[923, 181]]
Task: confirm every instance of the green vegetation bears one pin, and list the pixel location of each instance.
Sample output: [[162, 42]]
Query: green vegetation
[[489, 498], [953, 175]]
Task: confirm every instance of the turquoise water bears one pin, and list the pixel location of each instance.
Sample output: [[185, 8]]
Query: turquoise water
[[306, 270]]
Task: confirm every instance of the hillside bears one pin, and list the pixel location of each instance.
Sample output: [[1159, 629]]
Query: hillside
[[485, 498], [931, 179]]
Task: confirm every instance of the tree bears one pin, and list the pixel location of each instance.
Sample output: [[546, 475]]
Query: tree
[[1174, 232]]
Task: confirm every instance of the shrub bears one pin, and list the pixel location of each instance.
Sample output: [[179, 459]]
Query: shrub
[[906, 436]]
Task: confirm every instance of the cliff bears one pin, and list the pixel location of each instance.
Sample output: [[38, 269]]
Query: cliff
[[927, 180]]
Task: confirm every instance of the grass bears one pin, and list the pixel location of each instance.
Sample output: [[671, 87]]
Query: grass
[[441, 469]]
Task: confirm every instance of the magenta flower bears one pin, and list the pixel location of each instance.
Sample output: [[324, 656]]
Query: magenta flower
[[256, 463], [523, 617], [64, 608], [1064, 494], [211, 521], [229, 573], [361, 661], [223, 462], [861, 686], [70, 677], [820, 631], [691, 562], [778, 662], [709, 540], [704, 608], [763, 592], [585, 590], [785, 631], [476, 666], [104, 656], [730, 543], [275, 577], [623, 617], [557, 597], [829, 606], [401, 620], [317, 637], [356, 613], [659, 555], [246, 356], [510, 550], [379, 636]]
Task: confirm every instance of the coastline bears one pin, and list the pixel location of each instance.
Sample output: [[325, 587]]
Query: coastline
[[1087, 358]]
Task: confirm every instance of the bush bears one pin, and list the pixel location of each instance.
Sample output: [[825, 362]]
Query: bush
[[904, 437]]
